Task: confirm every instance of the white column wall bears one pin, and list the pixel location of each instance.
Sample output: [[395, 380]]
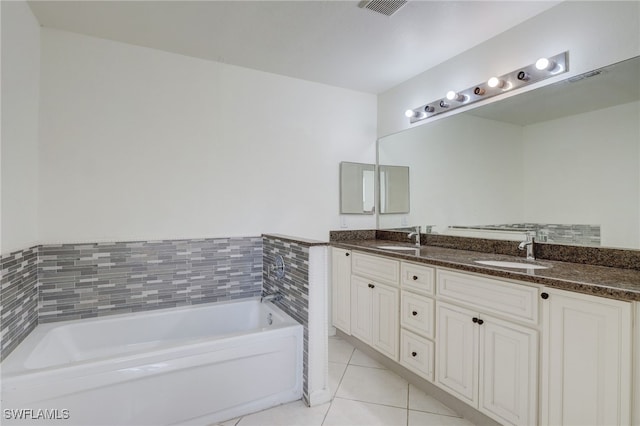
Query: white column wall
[[20, 48]]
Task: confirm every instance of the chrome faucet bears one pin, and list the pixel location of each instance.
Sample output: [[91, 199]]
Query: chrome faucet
[[416, 234], [529, 245], [273, 297]]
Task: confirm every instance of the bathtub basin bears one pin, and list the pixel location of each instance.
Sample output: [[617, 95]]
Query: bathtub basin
[[193, 365]]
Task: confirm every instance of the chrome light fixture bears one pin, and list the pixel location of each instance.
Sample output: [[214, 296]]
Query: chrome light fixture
[[542, 69]]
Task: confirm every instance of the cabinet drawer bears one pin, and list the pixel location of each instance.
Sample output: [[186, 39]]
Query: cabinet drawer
[[511, 300], [380, 269], [418, 278], [417, 313], [416, 354]]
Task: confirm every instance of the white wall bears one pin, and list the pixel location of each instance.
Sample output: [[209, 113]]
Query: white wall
[[596, 33], [463, 171], [19, 146], [143, 144], [585, 169]]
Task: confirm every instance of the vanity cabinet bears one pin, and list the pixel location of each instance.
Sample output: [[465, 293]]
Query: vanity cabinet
[[374, 315], [417, 318], [520, 353], [341, 289], [483, 357], [489, 363], [375, 302], [586, 360]]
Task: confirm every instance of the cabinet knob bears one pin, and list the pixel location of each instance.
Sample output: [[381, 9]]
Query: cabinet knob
[[414, 313], [347, 254], [480, 322], [371, 285], [414, 354], [544, 295], [415, 278], [474, 319]]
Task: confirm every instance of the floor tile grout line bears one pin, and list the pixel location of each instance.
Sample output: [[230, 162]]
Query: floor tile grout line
[[369, 402], [333, 396], [408, 394]]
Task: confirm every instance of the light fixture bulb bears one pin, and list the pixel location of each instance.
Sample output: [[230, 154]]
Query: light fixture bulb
[[429, 108], [544, 64], [455, 96], [495, 82], [410, 113]]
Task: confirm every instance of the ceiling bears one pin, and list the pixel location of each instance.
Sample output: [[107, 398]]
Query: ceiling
[[330, 42]]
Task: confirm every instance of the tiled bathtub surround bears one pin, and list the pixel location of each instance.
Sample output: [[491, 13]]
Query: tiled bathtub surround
[[88, 280], [18, 298], [294, 286]]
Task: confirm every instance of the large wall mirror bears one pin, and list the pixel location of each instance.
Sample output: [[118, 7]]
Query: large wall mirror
[[562, 160]]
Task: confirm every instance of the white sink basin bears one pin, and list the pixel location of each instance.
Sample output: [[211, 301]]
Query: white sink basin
[[399, 248], [502, 264]]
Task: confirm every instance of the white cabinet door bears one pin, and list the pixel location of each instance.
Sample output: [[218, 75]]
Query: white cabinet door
[[636, 368], [341, 289], [385, 320], [361, 313], [586, 360], [457, 352], [508, 372]]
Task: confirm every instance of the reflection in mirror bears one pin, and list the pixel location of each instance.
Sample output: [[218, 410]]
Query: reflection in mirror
[[357, 188], [394, 189], [562, 160]]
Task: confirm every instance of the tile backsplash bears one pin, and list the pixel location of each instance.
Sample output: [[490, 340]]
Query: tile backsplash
[[294, 286], [88, 280], [18, 298]]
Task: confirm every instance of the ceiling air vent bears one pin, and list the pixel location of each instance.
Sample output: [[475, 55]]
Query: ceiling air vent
[[386, 7]]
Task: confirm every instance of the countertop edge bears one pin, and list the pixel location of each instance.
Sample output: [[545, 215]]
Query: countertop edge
[[594, 289]]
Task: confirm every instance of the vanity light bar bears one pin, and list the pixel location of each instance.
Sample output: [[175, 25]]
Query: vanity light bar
[[542, 69]]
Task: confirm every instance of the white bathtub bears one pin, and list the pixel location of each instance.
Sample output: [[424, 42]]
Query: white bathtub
[[194, 365]]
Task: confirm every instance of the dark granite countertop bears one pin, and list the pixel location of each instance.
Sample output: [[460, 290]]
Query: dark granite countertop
[[614, 283]]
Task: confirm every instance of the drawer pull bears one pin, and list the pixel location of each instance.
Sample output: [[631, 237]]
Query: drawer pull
[[346, 254], [414, 313], [414, 354], [545, 296], [371, 285], [474, 319], [415, 278], [480, 322]]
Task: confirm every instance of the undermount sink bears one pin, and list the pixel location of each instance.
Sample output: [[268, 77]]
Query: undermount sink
[[503, 264], [399, 248]]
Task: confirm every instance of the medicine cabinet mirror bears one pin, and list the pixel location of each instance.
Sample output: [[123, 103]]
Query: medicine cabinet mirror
[[357, 188]]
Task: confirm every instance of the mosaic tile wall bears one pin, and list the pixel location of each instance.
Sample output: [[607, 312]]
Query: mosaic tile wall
[[89, 280], [294, 286], [18, 298]]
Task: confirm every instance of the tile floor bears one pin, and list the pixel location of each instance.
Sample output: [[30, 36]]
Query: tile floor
[[365, 393]]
